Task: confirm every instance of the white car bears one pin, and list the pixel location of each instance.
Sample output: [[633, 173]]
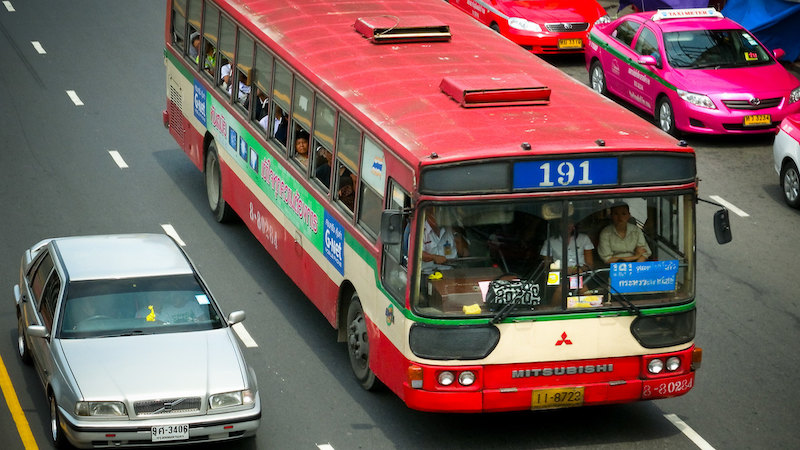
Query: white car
[[130, 345], [786, 155]]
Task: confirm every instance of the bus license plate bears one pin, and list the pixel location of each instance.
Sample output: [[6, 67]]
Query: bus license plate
[[557, 398], [170, 433], [570, 43], [757, 119]]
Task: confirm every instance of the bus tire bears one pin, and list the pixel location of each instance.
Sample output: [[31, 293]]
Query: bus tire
[[597, 79], [213, 177], [358, 344], [790, 184]]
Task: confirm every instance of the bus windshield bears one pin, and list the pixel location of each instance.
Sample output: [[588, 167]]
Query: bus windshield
[[539, 256]]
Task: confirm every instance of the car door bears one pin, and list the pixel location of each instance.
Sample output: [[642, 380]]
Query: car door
[[644, 84], [46, 312], [618, 55]]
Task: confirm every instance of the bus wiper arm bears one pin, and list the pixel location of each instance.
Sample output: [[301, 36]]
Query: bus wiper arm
[[621, 297]]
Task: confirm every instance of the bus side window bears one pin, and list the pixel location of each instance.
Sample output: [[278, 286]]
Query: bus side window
[[299, 150], [373, 179], [281, 102], [193, 30], [395, 276], [348, 143], [262, 79], [225, 57], [242, 90], [179, 24], [324, 125], [302, 105], [210, 33]]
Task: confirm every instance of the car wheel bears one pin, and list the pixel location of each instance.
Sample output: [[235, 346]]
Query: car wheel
[[665, 116], [222, 211], [22, 343], [790, 182], [55, 424], [358, 344], [597, 78], [495, 27]]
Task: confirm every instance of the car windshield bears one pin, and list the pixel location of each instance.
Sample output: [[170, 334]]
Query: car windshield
[[530, 257], [702, 49], [130, 306]]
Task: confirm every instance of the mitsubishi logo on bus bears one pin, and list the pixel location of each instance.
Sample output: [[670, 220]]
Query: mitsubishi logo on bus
[[563, 339]]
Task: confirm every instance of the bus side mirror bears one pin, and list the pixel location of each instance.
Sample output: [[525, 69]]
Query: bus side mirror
[[722, 226], [391, 226]]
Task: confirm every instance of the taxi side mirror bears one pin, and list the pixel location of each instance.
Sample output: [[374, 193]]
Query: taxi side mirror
[[779, 53], [648, 60]]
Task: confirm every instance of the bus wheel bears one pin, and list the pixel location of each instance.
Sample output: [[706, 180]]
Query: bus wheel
[[597, 78], [222, 212], [665, 116], [790, 182], [358, 344]]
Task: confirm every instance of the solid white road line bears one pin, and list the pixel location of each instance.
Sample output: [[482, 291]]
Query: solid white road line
[[75, 99], [38, 47], [118, 159], [247, 340], [729, 205], [689, 432], [170, 230], [9, 6]]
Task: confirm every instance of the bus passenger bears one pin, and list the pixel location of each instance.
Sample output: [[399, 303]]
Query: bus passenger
[[347, 188], [579, 250], [323, 170], [261, 108], [301, 147], [225, 76], [194, 50], [622, 241]]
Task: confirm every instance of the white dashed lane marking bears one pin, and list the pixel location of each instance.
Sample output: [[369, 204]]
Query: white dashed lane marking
[[74, 97], [729, 205], [118, 159], [38, 47], [689, 432], [9, 6]]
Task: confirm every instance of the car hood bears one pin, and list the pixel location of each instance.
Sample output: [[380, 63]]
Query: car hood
[[762, 81], [543, 11], [155, 366]]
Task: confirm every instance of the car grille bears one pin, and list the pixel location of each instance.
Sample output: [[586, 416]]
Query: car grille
[[745, 104], [566, 27], [167, 406]]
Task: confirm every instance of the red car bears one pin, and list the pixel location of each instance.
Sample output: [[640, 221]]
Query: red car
[[540, 26]]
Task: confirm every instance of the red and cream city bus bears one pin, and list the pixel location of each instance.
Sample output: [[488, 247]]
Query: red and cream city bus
[[423, 181]]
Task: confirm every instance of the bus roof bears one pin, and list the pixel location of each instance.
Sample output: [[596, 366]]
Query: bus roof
[[396, 86]]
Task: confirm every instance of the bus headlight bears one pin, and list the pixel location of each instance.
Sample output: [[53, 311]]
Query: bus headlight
[[673, 363], [466, 378], [696, 99], [446, 378], [655, 366], [522, 24]]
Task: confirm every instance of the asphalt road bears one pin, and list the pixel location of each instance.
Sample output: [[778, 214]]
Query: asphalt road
[[58, 178]]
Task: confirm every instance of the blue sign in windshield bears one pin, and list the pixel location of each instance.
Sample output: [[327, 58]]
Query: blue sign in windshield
[[648, 276], [554, 174]]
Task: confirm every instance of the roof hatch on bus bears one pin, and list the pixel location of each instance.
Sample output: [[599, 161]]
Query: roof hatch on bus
[[499, 90], [394, 29]]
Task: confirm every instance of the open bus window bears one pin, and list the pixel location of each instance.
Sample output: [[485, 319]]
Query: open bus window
[[544, 257], [281, 103], [262, 78], [321, 168], [210, 33], [242, 90], [299, 151], [179, 24], [193, 10]]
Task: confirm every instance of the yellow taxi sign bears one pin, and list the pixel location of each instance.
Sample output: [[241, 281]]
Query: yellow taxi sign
[[686, 13]]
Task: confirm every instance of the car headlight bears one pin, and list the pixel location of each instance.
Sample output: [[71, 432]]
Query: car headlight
[[604, 19], [795, 95], [100, 409], [522, 24], [228, 399], [697, 99]]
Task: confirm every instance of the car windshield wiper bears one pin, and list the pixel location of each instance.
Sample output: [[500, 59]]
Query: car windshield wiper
[[508, 307], [128, 333]]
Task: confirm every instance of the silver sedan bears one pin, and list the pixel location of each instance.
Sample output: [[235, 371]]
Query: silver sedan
[[129, 344]]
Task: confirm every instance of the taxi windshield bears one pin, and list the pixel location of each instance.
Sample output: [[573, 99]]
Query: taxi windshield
[[530, 257], [703, 49]]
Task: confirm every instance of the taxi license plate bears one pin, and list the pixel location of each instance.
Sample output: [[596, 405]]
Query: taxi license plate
[[757, 119], [169, 433], [557, 398], [570, 43]]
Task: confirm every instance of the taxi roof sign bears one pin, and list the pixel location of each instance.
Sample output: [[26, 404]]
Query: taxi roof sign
[[686, 13]]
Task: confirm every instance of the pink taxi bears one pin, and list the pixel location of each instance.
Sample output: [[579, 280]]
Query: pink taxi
[[694, 70], [539, 26]]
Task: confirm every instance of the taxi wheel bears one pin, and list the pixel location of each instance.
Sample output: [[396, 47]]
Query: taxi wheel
[[22, 343], [358, 344], [213, 177], [56, 434], [597, 78], [790, 182], [665, 116]]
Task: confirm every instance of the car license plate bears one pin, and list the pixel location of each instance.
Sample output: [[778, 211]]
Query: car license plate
[[170, 433], [757, 119], [570, 43], [557, 398]]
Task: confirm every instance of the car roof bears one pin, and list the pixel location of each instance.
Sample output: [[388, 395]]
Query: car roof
[[689, 23], [120, 256]]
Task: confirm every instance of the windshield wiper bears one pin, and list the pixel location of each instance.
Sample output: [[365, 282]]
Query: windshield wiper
[[620, 297]]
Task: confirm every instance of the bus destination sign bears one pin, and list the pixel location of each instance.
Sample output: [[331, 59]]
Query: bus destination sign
[[555, 173]]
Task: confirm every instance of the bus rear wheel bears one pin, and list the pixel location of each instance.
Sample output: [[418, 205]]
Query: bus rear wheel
[[358, 344], [213, 175]]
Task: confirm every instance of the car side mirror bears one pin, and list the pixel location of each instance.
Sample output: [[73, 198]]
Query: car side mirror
[[779, 53], [722, 226], [392, 226], [38, 331], [648, 60], [236, 317]]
